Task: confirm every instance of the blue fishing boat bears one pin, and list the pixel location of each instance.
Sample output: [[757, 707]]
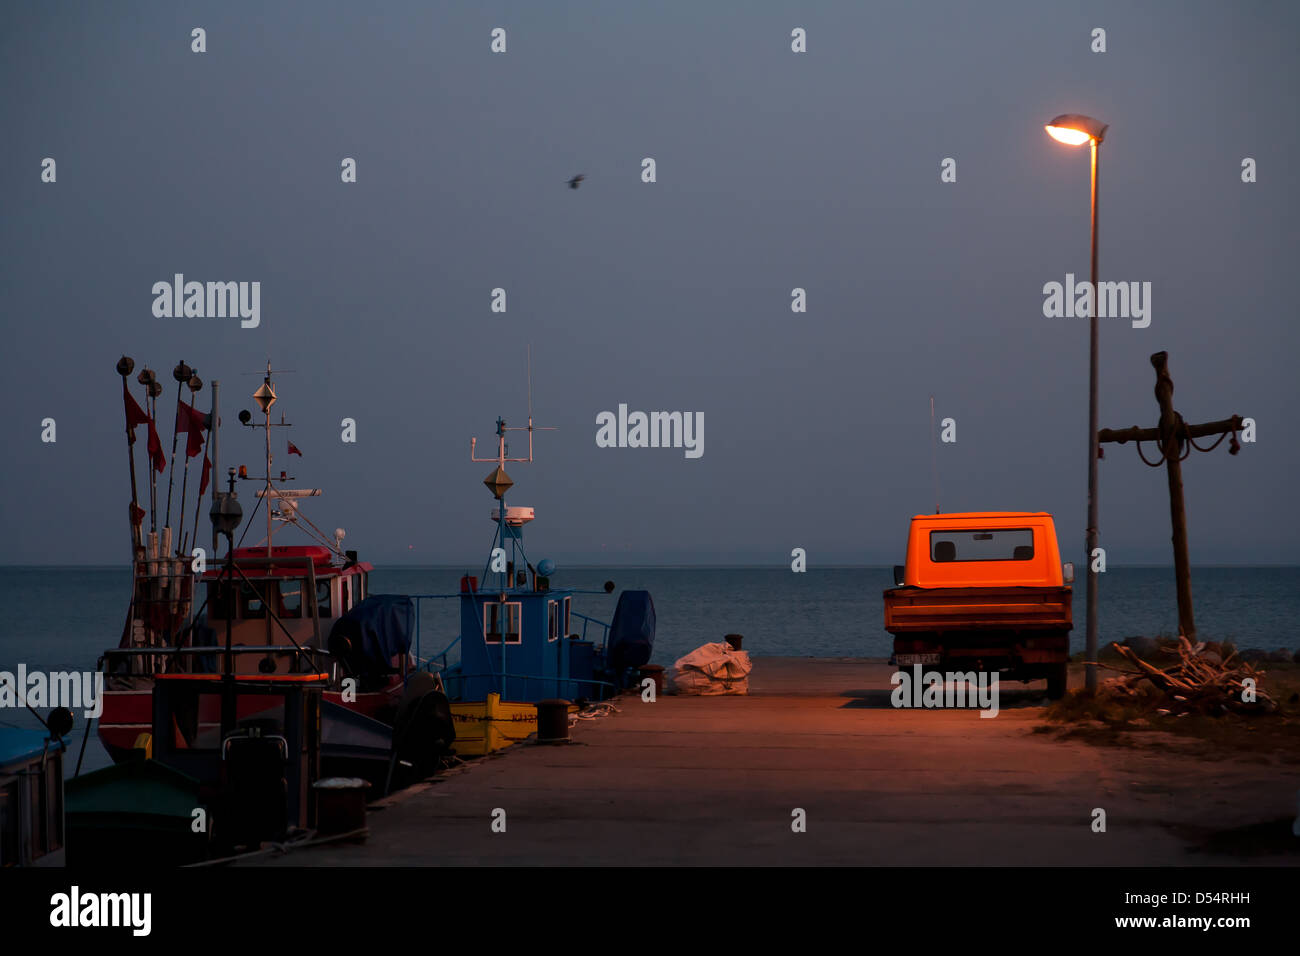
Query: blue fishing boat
[[521, 640]]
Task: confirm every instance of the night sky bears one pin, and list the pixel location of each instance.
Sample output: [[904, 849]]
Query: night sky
[[775, 170]]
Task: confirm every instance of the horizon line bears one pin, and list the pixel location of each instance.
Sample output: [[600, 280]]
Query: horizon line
[[642, 566]]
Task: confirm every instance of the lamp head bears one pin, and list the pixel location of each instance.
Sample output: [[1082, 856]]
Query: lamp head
[[1075, 129]]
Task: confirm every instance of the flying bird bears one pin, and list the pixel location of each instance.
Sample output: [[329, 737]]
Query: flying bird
[[573, 183]]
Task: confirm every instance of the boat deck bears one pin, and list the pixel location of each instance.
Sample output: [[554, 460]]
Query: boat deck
[[714, 780]]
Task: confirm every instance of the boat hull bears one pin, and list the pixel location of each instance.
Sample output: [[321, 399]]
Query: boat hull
[[485, 726], [126, 724]]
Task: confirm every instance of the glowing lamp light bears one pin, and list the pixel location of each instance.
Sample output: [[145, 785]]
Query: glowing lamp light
[[1074, 129], [1070, 137]]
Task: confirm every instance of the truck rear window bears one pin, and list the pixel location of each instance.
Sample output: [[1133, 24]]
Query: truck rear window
[[1004, 544]]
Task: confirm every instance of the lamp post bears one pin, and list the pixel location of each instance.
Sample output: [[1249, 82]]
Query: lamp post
[[1075, 130]]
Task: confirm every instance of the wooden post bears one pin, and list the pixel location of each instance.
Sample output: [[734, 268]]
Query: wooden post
[[1171, 446], [1170, 436]]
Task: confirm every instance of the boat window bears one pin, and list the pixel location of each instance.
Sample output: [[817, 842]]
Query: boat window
[[566, 629], [1003, 544], [553, 623], [217, 600], [251, 598], [291, 598], [494, 615], [345, 592], [323, 598], [361, 587]]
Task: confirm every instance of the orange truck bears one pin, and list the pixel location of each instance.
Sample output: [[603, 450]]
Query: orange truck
[[983, 590]]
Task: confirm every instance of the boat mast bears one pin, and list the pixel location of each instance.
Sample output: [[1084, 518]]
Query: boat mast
[[213, 434], [265, 397], [498, 482]]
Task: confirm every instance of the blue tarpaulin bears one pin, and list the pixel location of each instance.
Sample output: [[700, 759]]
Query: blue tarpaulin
[[377, 630], [632, 633]]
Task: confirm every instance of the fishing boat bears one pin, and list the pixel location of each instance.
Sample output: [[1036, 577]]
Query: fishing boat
[[270, 611], [519, 641]]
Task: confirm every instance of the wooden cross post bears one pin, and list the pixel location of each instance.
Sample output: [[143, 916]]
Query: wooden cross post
[[1171, 435]]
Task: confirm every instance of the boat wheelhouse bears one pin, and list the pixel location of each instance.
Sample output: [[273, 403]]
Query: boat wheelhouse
[[291, 596]]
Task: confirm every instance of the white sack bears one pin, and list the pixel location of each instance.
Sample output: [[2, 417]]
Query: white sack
[[712, 669]]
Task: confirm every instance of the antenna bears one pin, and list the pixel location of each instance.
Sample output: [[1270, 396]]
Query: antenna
[[501, 457], [934, 457]]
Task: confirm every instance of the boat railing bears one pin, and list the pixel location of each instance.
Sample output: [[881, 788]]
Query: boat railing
[[604, 637], [419, 600], [215, 650], [438, 662]]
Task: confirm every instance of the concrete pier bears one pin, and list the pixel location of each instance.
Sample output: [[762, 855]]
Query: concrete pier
[[717, 781]]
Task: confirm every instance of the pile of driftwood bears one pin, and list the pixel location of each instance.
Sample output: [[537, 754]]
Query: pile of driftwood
[[1199, 682]]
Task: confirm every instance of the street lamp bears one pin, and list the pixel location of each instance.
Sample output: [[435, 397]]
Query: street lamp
[[1074, 129]]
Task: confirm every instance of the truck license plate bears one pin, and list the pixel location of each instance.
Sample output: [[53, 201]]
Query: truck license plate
[[907, 660]]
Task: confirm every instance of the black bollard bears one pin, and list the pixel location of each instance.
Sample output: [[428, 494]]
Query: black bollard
[[553, 722]]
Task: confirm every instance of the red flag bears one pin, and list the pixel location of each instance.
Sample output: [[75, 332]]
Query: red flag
[[137, 514], [155, 449], [293, 450], [134, 413], [203, 482], [190, 419]]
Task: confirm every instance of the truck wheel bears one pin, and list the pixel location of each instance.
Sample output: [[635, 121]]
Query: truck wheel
[[1056, 681]]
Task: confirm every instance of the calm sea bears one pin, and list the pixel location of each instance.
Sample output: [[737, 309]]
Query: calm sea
[[63, 618]]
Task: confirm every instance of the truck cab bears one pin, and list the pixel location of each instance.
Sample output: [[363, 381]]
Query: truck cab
[[983, 590]]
